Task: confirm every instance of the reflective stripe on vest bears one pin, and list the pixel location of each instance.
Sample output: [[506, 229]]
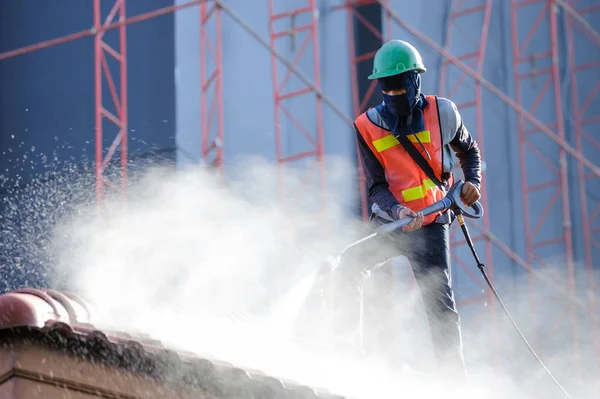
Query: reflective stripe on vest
[[390, 141], [407, 182], [414, 193]]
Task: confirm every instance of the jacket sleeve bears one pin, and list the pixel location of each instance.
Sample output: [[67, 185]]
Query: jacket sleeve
[[468, 154], [377, 185], [456, 135]]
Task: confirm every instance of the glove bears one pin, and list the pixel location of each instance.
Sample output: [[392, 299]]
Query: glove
[[398, 212]]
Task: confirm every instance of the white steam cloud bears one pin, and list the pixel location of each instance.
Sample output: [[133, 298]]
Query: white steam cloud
[[221, 268]]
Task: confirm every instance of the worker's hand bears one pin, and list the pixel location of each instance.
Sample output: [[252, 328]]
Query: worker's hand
[[469, 194], [414, 224]]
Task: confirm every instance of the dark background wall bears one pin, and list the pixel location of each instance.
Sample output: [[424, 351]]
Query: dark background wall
[[47, 118]]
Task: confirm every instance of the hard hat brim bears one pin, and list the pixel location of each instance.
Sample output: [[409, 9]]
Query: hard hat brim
[[387, 74]]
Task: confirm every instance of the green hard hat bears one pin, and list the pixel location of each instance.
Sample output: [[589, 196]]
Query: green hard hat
[[396, 57]]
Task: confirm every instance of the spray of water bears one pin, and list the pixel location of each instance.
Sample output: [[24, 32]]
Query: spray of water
[[223, 268]]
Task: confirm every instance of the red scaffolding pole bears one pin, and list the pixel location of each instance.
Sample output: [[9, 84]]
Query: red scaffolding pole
[[298, 29], [114, 112], [585, 87], [470, 49], [544, 180], [211, 85]]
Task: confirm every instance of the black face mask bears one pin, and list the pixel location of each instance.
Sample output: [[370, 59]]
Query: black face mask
[[398, 105], [402, 105]]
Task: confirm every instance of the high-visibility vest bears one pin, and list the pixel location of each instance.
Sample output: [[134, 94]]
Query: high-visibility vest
[[407, 181]]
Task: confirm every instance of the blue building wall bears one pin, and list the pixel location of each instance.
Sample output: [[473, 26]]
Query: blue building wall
[[248, 86], [49, 94], [249, 122], [47, 125]]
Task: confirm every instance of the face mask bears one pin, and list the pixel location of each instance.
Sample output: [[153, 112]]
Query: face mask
[[398, 105], [402, 105]]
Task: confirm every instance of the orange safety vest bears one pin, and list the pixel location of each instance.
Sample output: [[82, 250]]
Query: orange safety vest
[[407, 181]]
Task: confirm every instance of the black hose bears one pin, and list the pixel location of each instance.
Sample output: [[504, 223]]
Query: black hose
[[481, 267]]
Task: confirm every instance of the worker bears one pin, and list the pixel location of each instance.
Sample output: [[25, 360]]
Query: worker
[[406, 145]]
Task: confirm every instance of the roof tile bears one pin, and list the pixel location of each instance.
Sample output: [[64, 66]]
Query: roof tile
[[62, 320]]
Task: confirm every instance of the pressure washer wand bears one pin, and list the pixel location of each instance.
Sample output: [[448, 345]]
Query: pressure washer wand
[[481, 267], [450, 201], [384, 229]]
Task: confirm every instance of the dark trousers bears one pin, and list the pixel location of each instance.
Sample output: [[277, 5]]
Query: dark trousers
[[428, 251]]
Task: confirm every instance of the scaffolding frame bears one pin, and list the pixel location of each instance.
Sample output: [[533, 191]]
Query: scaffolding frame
[[282, 95], [211, 86], [102, 74], [526, 72]]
